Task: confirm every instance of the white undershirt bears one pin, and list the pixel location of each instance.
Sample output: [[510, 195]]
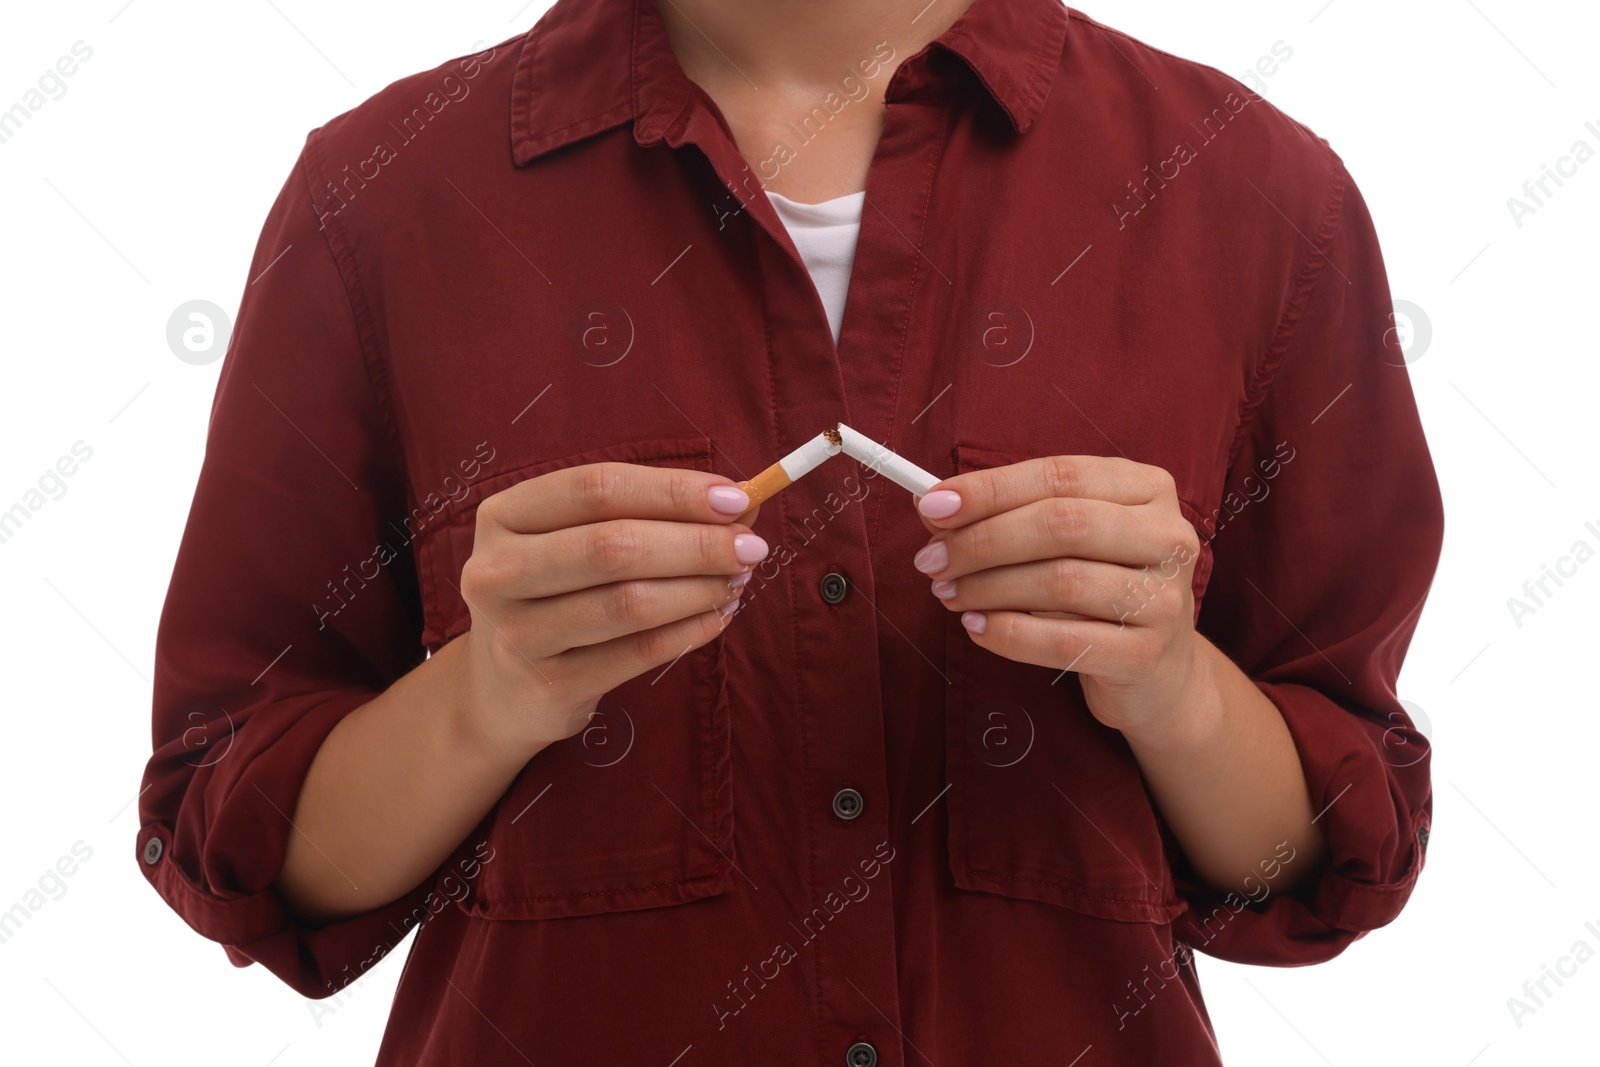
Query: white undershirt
[[825, 236]]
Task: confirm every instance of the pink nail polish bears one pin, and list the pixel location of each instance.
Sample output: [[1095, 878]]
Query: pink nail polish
[[727, 500], [944, 590], [933, 558], [975, 621], [740, 580], [730, 607], [748, 548], [940, 504]]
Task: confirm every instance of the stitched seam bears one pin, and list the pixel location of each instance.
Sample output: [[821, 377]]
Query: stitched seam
[[633, 61], [622, 111], [525, 90], [633, 71], [936, 158], [995, 74], [794, 635], [457, 510], [798, 685], [522, 87], [1077, 890], [1092, 24], [719, 876], [1311, 273], [1049, 65], [431, 547], [1035, 91], [343, 254], [1193, 65], [360, 312]]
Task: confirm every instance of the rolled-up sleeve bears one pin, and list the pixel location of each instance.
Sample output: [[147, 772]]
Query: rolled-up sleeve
[[1323, 553], [292, 603]]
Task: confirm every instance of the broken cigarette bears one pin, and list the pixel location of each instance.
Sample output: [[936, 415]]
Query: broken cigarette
[[791, 468], [811, 455], [896, 468]]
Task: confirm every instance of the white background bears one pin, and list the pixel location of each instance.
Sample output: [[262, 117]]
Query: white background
[[144, 186]]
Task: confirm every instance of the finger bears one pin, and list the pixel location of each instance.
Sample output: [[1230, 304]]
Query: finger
[[1060, 526], [1085, 588], [749, 518], [607, 665], [1087, 647], [580, 557], [604, 613], [978, 495], [596, 492]]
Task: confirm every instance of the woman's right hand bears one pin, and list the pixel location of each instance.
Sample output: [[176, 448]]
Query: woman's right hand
[[586, 577]]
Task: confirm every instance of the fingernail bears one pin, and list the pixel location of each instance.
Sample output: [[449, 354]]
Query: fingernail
[[933, 558], [727, 500], [944, 590], [740, 580], [729, 608], [975, 621], [748, 548], [940, 504]]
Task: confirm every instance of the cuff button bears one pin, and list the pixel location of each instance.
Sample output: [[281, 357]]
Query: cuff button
[[152, 851]]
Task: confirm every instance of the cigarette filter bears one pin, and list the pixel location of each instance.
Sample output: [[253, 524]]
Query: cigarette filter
[[896, 468], [791, 468]]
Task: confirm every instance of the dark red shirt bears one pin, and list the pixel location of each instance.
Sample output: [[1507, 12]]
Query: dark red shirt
[[553, 253]]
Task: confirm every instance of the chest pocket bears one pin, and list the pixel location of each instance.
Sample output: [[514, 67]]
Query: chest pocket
[[1045, 803], [637, 810]]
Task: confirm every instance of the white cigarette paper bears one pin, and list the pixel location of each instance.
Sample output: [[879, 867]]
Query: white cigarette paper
[[896, 468], [808, 457], [791, 468]]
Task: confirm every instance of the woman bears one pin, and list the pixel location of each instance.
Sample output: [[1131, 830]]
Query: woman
[[473, 630]]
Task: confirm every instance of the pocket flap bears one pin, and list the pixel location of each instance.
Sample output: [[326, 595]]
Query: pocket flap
[[634, 812], [1045, 803]]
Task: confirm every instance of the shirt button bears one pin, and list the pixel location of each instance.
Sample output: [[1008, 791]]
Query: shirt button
[[834, 587], [847, 804], [152, 851], [861, 1054]]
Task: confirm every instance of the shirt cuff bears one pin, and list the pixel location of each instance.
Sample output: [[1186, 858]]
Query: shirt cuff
[[1360, 773], [214, 863]]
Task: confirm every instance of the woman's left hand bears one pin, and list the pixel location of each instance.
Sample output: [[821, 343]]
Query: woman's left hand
[[1096, 541]]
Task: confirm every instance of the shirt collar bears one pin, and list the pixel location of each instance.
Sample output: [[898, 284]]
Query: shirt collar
[[591, 65]]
